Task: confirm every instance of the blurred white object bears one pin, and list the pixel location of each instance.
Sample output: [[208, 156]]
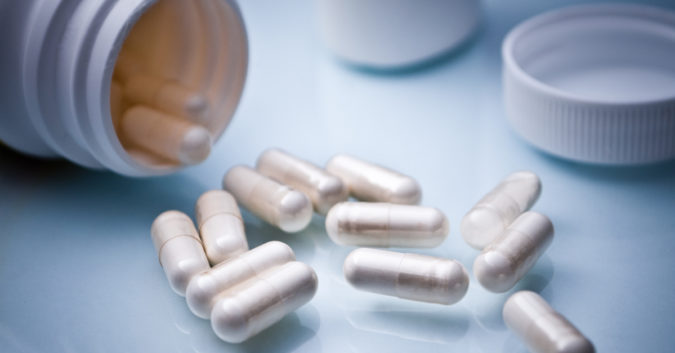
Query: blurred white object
[[594, 83], [390, 34]]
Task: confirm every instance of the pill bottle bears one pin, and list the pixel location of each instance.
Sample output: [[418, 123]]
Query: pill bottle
[[59, 61], [392, 35]]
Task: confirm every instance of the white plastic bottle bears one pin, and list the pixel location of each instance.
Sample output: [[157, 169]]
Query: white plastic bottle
[[395, 34], [58, 63]]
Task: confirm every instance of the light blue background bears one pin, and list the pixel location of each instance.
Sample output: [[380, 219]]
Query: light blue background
[[78, 272]]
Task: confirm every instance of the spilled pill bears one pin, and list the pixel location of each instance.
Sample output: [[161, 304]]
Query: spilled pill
[[275, 203], [496, 210], [165, 135], [179, 249], [408, 276], [205, 287], [508, 258], [370, 182], [322, 188], [262, 301], [386, 225], [220, 226], [541, 328]]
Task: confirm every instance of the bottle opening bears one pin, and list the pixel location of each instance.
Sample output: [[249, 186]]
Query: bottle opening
[[177, 81]]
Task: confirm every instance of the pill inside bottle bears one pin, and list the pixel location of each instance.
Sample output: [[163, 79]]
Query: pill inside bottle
[[176, 81]]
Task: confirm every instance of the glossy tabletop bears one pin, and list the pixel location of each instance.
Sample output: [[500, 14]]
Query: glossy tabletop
[[79, 274]]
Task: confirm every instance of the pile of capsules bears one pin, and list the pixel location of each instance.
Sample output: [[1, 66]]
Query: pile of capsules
[[158, 116], [283, 190], [245, 291]]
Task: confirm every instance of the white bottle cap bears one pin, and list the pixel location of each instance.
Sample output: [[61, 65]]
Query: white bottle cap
[[594, 83]]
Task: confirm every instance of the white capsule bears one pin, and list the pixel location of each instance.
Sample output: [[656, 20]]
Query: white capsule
[[370, 182], [205, 287], [220, 226], [261, 302], [496, 210], [508, 258], [165, 135], [323, 188], [179, 249], [408, 276], [167, 96], [276, 204], [543, 329], [386, 225]]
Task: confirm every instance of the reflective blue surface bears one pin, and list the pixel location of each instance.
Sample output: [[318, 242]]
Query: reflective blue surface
[[78, 271]]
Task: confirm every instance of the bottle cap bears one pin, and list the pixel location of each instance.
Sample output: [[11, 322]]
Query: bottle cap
[[594, 83]]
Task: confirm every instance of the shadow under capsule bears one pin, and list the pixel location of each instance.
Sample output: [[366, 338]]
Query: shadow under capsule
[[286, 336], [409, 320]]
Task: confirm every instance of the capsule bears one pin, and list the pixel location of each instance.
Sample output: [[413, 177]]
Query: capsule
[[508, 258], [496, 210], [205, 287], [220, 225], [386, 225], [408, 276], [322, 188], [261, 302], [276, 204], [168, 96], [172, 138], [179, 249], [543, 329], [371, 182]]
